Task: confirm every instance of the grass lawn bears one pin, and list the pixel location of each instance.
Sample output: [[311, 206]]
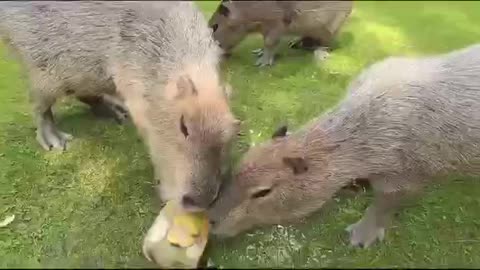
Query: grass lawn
[[90, 206]]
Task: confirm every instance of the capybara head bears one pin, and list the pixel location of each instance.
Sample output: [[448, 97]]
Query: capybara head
[[203, 130], [229, 29], [272, 185]]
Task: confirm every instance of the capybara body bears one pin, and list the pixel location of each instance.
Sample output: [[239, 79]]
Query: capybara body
[[404, 123], [158, 58], [316, 23]]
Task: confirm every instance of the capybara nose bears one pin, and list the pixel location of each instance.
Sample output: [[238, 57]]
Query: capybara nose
[[212, 222], [193, 203]]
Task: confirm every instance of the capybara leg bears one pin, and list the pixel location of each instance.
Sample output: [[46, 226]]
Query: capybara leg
[[270, 40], [306, 43], [389, 196], [103, 108], [48, 136], [118, 106]]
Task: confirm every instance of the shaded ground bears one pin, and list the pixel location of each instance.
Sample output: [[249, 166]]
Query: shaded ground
[[90, 207]]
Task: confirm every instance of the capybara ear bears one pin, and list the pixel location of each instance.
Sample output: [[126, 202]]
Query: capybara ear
[[223, 10], [280, 132], [297, 164], [185, 87], [181, 89], [227, 9]]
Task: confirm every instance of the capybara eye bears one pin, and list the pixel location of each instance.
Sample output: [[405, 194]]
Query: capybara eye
[[183, 128], [215, 27], [261, 193]]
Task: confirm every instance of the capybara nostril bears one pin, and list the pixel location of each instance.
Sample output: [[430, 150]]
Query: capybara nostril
[[188, 201], [212, 222], [193, 203]]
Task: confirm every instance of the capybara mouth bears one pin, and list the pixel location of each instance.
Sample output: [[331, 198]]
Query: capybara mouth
[[226, 55]]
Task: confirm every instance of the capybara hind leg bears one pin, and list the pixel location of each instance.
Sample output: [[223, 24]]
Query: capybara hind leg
[[305, 43], [103, 108]]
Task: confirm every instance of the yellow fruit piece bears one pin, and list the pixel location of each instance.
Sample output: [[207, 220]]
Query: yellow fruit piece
[[180, 237], [190, 222], [185, 227]]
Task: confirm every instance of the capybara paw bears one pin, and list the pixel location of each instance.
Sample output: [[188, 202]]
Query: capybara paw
[[120, 115], [295, 43], [264, 60], [53, 140], [258, 52], [363, 234]]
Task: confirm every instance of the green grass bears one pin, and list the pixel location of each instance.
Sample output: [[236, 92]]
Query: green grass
[[90, 206]]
